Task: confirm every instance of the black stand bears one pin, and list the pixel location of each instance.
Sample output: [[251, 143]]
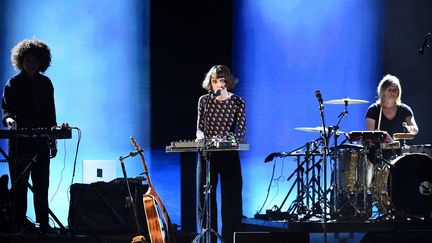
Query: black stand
[[325, 152], [207, 230], [139, 238], [37, 196]]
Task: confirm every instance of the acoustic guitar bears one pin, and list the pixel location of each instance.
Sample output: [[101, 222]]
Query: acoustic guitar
[[160, 229]]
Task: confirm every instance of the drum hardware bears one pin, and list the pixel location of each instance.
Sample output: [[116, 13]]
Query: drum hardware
[[306, 188], [392, 145]]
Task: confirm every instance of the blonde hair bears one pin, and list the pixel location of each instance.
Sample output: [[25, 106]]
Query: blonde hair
[[221, 71], [387, 81]]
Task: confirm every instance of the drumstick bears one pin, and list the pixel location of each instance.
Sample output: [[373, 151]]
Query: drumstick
[[379, 119]]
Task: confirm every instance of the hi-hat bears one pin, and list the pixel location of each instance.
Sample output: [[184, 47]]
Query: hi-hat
[[344, 101], [403, 136], [314, 129]]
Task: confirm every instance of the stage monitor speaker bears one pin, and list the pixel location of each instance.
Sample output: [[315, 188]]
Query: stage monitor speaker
[[273, 237], [101, 207]]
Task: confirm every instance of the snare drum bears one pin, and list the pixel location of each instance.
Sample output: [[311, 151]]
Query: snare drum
[[405, 186]]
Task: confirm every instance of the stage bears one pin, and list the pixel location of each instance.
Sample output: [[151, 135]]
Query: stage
[[260, 230]]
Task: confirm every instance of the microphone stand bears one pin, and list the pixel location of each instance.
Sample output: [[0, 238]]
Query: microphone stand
[[207, 230], [425, 44], [325, 149]]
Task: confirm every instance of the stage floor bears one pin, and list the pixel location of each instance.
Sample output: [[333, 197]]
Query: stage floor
[[256, 230]]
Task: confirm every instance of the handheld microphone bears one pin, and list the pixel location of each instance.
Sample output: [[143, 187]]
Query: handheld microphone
[[319, 96], [425, 45]]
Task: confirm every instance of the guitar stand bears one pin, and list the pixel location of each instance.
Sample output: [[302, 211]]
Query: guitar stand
[[207, 230], [139, 238], [36, 195]]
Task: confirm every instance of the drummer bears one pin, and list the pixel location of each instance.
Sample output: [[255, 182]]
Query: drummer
[[388, 113]]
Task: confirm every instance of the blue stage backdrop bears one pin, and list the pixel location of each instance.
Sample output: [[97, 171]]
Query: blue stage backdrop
[[100, 72], [283, 52]]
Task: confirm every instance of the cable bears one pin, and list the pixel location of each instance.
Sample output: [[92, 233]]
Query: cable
[[76, 152], [61, 173]]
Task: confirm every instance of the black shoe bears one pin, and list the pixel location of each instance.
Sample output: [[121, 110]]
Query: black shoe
[[46, 229]]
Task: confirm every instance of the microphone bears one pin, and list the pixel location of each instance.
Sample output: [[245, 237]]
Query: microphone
[[425, 45], [319, 96], [214, 94], [405, 126]]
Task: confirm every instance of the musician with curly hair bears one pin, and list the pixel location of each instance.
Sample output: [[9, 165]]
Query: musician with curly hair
[[28, 103]]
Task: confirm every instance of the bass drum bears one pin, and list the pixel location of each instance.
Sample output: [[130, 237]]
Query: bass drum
[[405, 187]]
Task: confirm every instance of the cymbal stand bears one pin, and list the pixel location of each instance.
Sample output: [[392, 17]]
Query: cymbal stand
[[298, 202], [299, 206], [313, 187], [336, 169]]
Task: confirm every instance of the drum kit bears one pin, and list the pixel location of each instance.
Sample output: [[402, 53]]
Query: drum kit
[[363, 180]]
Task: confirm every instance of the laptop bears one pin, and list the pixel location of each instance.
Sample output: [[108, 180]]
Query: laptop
[[98, 171]]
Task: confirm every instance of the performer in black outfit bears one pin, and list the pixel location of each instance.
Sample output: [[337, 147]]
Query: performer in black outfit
[[28, 103], [388, 113], [221, 116]]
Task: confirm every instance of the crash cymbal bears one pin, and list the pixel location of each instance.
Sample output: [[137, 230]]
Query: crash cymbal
[[309, 129], [313, 129], [344, 101]]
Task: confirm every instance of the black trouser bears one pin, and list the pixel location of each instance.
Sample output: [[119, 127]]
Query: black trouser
[[29, 157], [227, 166]]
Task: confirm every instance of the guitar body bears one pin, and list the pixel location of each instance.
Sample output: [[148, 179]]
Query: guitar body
[[153, 205], [153, 222]]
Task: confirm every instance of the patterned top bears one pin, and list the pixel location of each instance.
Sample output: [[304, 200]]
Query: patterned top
[[223, 117]]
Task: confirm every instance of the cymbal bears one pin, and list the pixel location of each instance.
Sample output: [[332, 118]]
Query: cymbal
[[345, 100], [403, 136], [314, 129]]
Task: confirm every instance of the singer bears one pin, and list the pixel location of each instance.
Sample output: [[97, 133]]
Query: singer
[[221, 113], [388, 113]]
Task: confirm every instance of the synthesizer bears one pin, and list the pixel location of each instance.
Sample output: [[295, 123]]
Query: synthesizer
[[37, 133], [212, 145]]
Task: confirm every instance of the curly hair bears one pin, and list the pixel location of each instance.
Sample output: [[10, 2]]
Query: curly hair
[[221, 71], [35, 47]]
